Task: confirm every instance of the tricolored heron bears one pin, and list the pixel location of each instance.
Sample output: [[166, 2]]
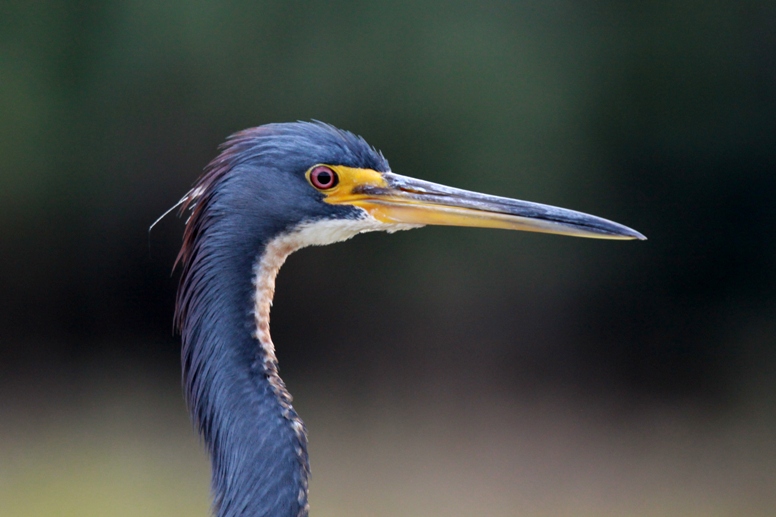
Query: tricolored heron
[[272, 190]]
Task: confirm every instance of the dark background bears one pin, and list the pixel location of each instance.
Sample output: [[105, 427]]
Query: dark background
[[659, 115]]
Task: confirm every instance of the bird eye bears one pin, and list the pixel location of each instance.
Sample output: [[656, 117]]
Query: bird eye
[[323, 178]]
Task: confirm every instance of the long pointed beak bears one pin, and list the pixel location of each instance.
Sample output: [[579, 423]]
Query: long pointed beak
[[401, 199]]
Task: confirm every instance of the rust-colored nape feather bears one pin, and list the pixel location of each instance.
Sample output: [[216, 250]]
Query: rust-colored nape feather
[[197, 200]]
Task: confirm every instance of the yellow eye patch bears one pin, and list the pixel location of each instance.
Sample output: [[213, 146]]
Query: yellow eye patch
[[346, 181]]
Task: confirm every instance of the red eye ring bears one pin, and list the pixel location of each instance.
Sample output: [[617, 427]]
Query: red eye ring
[[323, 178]]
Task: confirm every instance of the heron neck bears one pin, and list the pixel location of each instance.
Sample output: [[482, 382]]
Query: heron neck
[[256, 441]]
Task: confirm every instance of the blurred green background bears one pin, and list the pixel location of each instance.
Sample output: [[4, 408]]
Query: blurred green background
[[442, 371]]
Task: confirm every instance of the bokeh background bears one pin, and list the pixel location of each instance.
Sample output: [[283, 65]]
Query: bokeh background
[[443, 371]]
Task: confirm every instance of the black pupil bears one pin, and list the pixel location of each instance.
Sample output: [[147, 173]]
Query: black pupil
[[324, 178]]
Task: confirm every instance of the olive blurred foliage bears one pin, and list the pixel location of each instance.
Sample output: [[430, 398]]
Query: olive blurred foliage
[[660, 115]]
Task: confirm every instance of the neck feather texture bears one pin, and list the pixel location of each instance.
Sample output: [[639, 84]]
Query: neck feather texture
[[257, 443], [266, 271]]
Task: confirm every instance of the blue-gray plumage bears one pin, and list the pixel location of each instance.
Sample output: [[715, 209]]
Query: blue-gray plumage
[[272, 190]]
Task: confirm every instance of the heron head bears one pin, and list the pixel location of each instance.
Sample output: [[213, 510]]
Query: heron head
[[291, 176]]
